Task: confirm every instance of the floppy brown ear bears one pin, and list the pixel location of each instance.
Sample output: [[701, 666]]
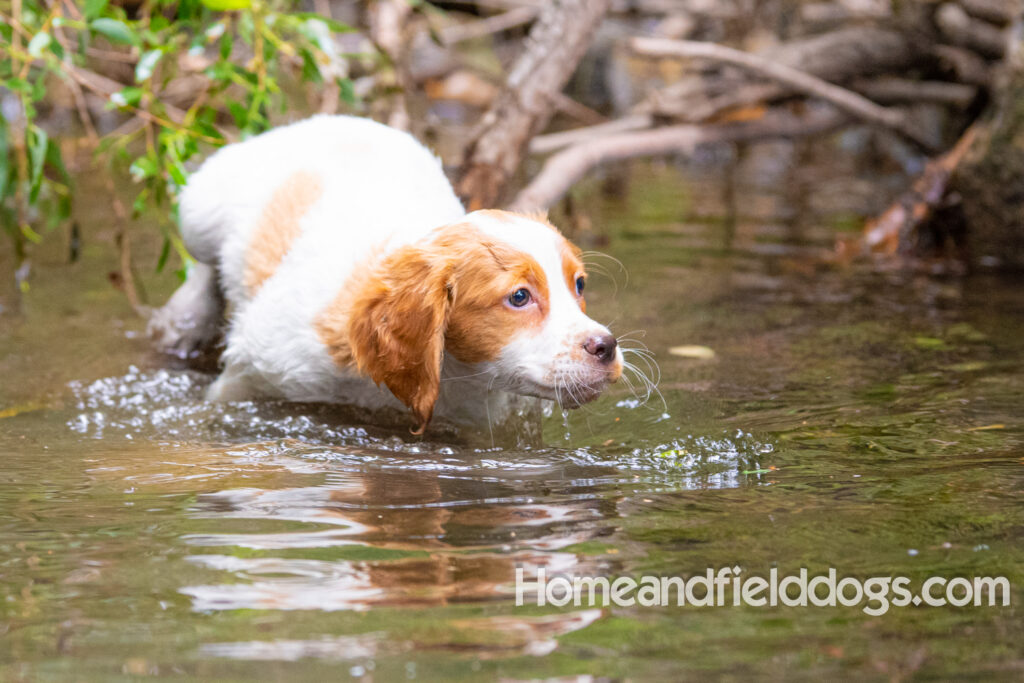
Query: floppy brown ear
[[397, 327]]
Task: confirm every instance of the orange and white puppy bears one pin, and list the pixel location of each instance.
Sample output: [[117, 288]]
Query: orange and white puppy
[[349, 263]]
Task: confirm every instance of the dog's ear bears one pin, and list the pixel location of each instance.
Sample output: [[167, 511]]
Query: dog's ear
[[396, 326]]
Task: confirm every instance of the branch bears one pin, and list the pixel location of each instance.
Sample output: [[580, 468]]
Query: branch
[[387, 30], [567, 167], [542, 144], [836, 57], [554, 47], [980, 36], [892, 89], [480, 28], [843, 99], [893, 229]]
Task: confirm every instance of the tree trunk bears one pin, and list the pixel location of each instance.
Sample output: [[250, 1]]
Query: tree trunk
[[989, 185], [554, 47]]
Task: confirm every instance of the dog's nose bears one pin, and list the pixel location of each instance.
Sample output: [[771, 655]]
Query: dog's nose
[[602, 347]]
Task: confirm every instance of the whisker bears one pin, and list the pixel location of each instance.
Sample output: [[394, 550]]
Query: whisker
[[649, 384], [475, 374], [588, 258], [648, 359]]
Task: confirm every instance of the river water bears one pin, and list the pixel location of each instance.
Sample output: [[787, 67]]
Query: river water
[[855, 418]]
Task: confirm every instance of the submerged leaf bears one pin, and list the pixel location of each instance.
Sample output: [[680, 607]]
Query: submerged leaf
[[692, 351]]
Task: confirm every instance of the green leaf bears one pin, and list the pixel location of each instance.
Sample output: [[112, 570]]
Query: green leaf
[[39, 91], [115, 30], [56, 163], [148, 62], [227, 5], [140, 203], [39, 42], [165, 252], [178, 173], [931, 344], [227, 41], [239, 113], [143, 168], [94, 8], [18, 85], [30, 234], [38, 141], [128, 97], [347, 92]]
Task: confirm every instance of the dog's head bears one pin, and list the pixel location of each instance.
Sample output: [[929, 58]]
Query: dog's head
[[500, 291]]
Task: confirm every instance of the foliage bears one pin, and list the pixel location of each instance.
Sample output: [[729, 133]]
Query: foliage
[[240, 53]]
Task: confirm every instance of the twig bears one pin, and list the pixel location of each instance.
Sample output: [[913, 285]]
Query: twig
[[451, 35], [581, 112], [542, 144], [891, 230], [846, 100], [892, 89], [76, 91], [565, 168], [101, 85]]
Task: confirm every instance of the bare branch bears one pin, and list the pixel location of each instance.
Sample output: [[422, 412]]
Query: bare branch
[[542, 144], [836, 57], [891, 89], [554, 47], [564, 169], [844, 99], [480, 28], [893, 229], [974, 34]]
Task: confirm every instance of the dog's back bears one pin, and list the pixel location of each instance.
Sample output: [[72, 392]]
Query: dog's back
[[326, 190]]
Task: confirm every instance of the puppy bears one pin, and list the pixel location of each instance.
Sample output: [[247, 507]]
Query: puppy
[[349, 264]]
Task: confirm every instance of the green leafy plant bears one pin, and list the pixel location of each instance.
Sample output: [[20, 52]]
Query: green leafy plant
[[202, 72]]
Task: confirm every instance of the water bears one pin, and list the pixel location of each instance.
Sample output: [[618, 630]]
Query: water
[[863, 420]]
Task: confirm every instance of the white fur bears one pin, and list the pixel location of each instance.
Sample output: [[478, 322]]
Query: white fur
[[381, 189]]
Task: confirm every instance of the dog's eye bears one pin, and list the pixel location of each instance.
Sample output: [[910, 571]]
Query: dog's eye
[[519, 298], [580, 283]]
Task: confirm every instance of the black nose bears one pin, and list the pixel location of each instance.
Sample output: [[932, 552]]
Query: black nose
[[602, 347]]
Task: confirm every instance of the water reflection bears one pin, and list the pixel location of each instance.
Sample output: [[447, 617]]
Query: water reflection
[[404, 538], [295, 510]]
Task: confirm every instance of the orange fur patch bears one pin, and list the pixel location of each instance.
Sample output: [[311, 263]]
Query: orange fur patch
[[278, 227], [397, 315], [488, 271]]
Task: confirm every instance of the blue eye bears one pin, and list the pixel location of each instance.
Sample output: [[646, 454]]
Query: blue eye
[[519, 298], [580, 282]]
